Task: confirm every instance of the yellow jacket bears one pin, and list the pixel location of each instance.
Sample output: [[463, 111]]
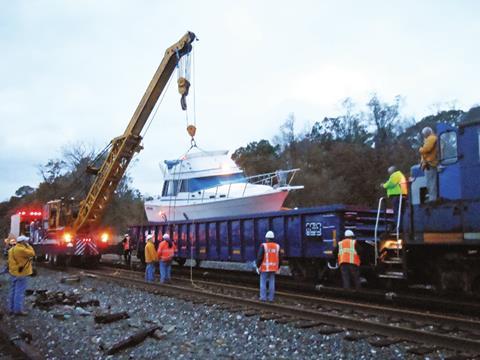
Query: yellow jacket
[[150, 253], [20, 259], [429, 151]]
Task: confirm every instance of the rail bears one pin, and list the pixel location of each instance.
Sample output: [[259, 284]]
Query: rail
[[377, 221], [399, 217]]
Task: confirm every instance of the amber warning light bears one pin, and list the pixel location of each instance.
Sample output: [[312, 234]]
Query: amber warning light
[[104, 237]]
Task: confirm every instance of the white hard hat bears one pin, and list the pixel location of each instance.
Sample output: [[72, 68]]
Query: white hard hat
[[270, 235], [149, 237], [22, 238], [349, 233], [166, 236]]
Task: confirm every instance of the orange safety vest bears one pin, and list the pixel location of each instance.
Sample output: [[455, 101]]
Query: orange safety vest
[[126, 245], [270, 260], [347, 253], [165, 253]]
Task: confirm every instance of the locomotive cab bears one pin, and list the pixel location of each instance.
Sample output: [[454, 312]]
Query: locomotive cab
[[443, 239]]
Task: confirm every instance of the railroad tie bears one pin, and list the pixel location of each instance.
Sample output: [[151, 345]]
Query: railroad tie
[[267, 317], [354, 336], [328, 330], [284, 320], [250, 313], [382, 341], [421, 350], [308, 324], [460, 357], [232, 308], [445, 329]]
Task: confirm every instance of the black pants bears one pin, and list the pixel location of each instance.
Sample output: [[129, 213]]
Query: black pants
[[350, 272], [127, 255]]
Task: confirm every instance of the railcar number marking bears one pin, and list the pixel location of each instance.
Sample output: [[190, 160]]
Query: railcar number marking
[[313, 229]]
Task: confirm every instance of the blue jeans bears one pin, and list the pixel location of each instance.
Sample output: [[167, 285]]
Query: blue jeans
[[150, 272], [18, 284], [165, 271], [264, 278]]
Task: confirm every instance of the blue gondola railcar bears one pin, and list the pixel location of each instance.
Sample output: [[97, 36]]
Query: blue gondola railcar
[[307, 236]]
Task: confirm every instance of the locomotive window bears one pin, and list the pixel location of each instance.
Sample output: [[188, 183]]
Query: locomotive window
[[448, 147]]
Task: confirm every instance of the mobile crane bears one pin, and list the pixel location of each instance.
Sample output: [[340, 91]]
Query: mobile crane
[[68, 230]]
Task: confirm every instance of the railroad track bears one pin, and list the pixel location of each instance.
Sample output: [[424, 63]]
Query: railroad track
[[375, 323], [419, 302]]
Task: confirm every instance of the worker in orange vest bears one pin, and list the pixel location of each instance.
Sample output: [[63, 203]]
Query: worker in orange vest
[[165, 256], [347, 253], [268, 263], [127, 252]]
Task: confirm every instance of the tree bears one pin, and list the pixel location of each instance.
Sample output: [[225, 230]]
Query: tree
[[66, 177], [385, 118], [257, 157], [412, 134], [349, 127], [24, 191]]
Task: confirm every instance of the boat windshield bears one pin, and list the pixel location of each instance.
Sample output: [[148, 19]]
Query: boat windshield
[[171, 188]]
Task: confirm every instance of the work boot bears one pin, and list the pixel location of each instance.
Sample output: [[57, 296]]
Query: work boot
[[21, 313]]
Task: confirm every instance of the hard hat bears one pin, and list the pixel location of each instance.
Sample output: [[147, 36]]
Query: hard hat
[[166, 236], [126, 235], [270, 235], [22, 238], [349, 233], [149, 237]]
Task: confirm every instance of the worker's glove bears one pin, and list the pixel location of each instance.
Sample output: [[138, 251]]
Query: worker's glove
[[257, 270]]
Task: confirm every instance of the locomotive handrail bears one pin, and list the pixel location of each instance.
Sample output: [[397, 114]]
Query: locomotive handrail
[[332, 267], [376, 228], [398, 223]]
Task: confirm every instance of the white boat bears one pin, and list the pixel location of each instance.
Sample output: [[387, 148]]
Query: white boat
[[206, 184]]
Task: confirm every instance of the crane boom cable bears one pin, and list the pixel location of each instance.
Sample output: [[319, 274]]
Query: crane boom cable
[[194, 89], [156, 107]]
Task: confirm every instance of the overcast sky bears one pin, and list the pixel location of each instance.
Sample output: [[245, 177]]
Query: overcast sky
[[74, 71]]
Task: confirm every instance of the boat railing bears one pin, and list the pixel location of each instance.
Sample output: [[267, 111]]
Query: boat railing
[[279, 178]]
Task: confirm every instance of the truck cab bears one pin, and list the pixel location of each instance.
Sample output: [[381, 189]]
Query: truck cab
[[27, 222]]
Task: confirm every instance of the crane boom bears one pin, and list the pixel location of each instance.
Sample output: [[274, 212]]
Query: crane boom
[[125, 146]]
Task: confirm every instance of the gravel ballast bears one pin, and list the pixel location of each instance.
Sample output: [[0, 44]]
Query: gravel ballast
[[187, 330]]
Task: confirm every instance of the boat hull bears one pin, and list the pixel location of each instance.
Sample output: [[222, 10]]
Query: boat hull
[[229, 207]]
